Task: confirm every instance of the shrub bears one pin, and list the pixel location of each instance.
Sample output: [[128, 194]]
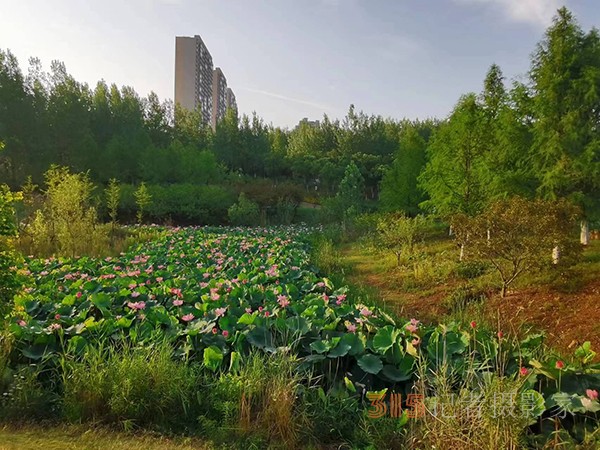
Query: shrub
[[25, 397], [244, 212], [401, 234], [67, 223], [143, 200]]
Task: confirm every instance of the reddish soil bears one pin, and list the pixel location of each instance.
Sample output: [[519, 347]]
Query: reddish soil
[[567, 319]]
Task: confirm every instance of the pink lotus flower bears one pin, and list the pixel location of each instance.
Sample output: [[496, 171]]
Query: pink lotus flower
[[176, 292], [415, 342], [366, 312], [78, 295], [225, 333], [326, 298], [206, 275], [249, 310], [592, 394], [500, 335], [135, 294], [219, 312], [351, 327], [411, 328], [54, 327], [137, 305], [267, 313], [523, 371], [283, 301], [177, 302], [473, 324], [57, 317], [260, 308], [188, 317], [22, 323], [341, 298], [214, 330], [559, 365], [159, 279]]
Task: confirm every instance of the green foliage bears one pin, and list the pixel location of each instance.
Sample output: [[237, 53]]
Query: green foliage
[[401, 235], [138, 386], [517, 235], [244, 212], [113, 198], [143, 200], [67, 223], [399, 187], [8, 259]]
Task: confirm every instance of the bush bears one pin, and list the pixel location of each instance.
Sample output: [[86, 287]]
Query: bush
[[471, 269], [244, 212], [25, 397], [67, 223]]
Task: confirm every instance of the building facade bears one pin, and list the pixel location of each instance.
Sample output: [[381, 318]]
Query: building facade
[[230, 99], [219, 97], [194, 76]]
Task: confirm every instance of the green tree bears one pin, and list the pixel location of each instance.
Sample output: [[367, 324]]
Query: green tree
[[457, 153], [113, 199], [565, 78], [399, 186], [143, 200]]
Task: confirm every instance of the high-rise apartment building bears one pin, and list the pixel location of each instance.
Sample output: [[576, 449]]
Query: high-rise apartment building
[[194, 75], [230, 99], [219, 97]]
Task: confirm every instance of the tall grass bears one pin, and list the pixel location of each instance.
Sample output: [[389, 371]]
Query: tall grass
[[134, 386]]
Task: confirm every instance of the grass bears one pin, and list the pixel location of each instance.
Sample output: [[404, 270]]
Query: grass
[[80, 437]]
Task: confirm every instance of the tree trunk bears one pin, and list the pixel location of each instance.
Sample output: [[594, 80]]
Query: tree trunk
[[503, 292], [556, 255], [585, 233], [462, 252], [450, 231]]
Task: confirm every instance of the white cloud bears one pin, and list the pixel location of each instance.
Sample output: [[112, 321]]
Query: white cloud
[[312, 104], [535, 12]]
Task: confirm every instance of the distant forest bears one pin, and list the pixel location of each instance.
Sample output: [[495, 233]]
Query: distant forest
[[538, 139]]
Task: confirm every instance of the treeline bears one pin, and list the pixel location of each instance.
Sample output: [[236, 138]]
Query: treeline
[[538, 138], [50, 118]]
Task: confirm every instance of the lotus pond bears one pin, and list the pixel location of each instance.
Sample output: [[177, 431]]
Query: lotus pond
[[219, 293]]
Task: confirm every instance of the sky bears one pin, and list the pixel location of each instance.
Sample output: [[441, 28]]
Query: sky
[[290, 59]]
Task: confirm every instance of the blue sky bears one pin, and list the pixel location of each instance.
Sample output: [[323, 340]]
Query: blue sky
[[289, 59]]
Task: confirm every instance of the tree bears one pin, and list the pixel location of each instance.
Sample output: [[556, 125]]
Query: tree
[[143, 200], [399, 186], [453, 176], [565, 78], [399, 233], [348, 202], [517, 235], [113, 198]]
